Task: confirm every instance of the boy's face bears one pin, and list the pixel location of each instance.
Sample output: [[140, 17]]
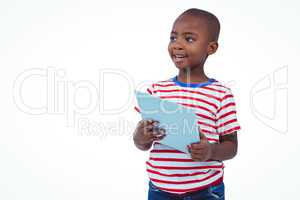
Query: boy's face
[[189, 42]]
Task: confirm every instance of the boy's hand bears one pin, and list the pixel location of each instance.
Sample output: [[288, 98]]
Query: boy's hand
[[146, 132], [202, 150]]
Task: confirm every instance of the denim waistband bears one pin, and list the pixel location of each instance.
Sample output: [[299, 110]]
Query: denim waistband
[[205, 189]]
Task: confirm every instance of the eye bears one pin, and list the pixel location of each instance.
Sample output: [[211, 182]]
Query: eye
[[189, 39], [172, 38]]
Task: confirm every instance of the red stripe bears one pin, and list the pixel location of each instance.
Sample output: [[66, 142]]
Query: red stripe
[[230, 130], [213, 89], [163, 85], [213, 140], [217, 127], [206, 124], [137, 109], [176, 175], [227, 122], [226, 114], [172, 159], [227, 96], [191, 189], [222, 86], [226, 106], [193, 92], [165, 151], [209, 132], [190, 98], [206, 117], [184, 168], [149, 91], [185, 182], [196, 106]]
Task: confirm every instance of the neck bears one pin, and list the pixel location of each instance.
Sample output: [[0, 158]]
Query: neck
[[195, 75]]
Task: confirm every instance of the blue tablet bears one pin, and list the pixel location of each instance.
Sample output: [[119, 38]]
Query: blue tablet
[[179, 122]]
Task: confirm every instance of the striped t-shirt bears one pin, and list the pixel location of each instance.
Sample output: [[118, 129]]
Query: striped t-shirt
[[174, 171]]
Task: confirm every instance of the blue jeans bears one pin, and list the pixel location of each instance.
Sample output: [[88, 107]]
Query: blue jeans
[[211, 193]]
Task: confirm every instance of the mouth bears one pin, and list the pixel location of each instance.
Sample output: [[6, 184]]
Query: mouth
[[179, 58]]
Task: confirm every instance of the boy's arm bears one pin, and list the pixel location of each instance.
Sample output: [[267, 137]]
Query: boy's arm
[[226, 149]]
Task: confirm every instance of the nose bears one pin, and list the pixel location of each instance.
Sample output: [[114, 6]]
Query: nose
[[176, 45]]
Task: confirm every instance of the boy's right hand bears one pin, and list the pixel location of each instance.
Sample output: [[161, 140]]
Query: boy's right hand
[[146, 133]]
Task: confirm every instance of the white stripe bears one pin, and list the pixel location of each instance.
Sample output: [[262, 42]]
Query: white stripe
[[208, 128], [190, 93], [212, 136], [226, 110], [178, 178], [166, 96], [185, 164], [178, 171], [170, 155], [227, 127], [226, 119]]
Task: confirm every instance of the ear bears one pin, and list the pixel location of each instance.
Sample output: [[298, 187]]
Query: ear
[[212, 47]]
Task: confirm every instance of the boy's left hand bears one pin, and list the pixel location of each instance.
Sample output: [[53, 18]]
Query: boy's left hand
[[201, 151]]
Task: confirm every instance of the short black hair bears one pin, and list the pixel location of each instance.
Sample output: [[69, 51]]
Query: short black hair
[[210, 19]]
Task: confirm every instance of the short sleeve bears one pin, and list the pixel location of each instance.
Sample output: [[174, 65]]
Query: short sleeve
[[227, 121], [149, 90]]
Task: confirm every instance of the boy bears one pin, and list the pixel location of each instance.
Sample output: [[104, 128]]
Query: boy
[[198, 175]]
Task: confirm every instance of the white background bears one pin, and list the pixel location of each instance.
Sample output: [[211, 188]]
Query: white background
[[50, 156]]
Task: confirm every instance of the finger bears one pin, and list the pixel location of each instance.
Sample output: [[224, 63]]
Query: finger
[[197, 152], [149, 127], [160, 137], [157, 138], [196, 157], [152, 121], [158, 131], [150, 137], [198, 148], [158, 134], [155, 122], [153, 125], [202, 136], [143, 123], [197, 145], [146, 122], [148, 131]]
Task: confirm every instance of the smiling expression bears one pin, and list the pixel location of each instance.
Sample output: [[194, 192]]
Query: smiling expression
[[189, 42]]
